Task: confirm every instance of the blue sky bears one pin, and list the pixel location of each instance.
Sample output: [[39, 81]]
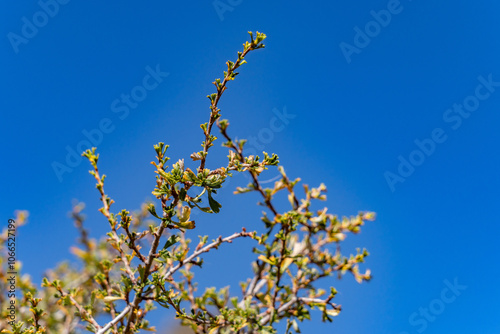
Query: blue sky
[[393, 105]]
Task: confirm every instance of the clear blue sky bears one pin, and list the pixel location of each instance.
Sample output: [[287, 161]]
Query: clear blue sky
[[396, 111]]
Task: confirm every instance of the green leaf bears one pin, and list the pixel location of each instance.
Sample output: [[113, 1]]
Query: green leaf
[[184, 214], [187, 224], [182, 194], [214, 205], [152, 210], [212, 96], [171, 241], [206, 209], [141, 270]]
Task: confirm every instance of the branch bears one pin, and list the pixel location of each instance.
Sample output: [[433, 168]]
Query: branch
[[221, 87], [253, 288], [113, 322], [172, 270], [205, 249], [147, 270], [287, 305], [256, 183], [105, 210], [80, 308]]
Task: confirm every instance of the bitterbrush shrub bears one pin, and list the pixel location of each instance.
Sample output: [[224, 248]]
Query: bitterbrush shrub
[[145, 262]]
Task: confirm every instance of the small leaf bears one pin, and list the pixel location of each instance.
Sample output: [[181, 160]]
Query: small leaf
[[214, 205], [213, 330], [333, 312], [184, 214], [171, 241], [196, 156], [286, 263], [265, 259], [108, 299], [182, 194], [207, 210], [152, 210], [188, 225]]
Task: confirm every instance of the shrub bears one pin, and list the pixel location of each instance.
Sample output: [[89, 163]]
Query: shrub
[[146, 260]]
